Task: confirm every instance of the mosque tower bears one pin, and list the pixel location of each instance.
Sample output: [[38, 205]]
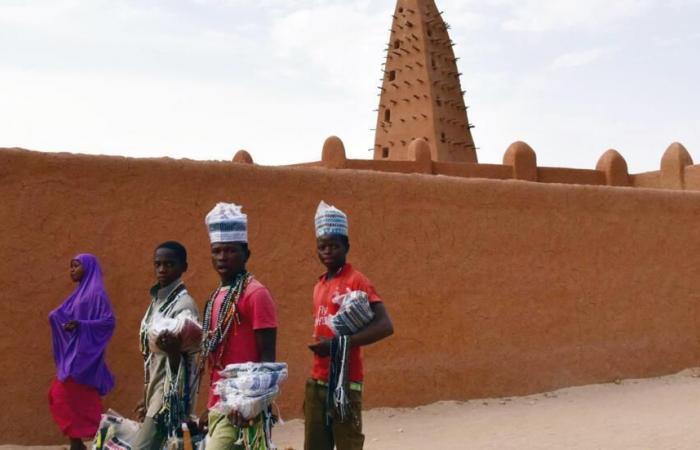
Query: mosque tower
[[421, 95]]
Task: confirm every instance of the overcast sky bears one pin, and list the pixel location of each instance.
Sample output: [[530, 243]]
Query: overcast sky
[[203, 78]]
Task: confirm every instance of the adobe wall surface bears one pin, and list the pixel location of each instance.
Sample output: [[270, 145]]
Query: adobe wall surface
[[495, 287]]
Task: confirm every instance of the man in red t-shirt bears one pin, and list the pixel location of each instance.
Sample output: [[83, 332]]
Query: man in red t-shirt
[[240, 318], [323, 428]]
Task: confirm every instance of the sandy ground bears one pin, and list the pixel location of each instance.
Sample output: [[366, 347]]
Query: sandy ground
[[654, 414]]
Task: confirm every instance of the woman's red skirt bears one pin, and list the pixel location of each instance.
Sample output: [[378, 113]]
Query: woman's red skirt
[[75, 408]]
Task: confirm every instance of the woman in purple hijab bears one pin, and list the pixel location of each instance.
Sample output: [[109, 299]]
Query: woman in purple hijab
[[81, 329]]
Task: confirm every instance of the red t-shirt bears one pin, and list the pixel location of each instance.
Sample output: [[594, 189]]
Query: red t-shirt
[[346, 280], [256, 310]]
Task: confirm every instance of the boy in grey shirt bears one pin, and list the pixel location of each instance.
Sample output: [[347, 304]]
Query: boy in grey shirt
[[169, 374]]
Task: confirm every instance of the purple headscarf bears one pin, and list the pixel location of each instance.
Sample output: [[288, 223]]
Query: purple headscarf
[[79, 354]]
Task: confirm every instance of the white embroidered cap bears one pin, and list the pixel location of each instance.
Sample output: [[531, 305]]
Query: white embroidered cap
[[330, 220], [226, 223]]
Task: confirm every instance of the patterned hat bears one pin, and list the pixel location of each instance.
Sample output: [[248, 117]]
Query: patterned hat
[[330, 220], [226, 223]]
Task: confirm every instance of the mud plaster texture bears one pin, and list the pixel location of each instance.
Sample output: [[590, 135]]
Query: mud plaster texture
[[496, 288], [421, 94]]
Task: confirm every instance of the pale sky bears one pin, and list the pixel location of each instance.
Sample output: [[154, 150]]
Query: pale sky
[[201, 79]]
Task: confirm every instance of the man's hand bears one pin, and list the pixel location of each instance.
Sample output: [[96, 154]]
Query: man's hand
[[169, 343], [70, 325], [203, 421], [237, 419], [140, 411], [322, 348]]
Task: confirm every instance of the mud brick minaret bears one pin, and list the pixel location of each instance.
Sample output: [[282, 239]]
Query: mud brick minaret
[[421, 95]]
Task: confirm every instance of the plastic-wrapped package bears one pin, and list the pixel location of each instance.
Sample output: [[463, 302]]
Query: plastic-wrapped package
[[252, 383], [248, 406], [249, 388], [353, 315], [115, 432], [185, 325], [248, 368]]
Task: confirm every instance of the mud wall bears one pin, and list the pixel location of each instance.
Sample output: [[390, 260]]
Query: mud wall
[[520, 163], [495, 287]]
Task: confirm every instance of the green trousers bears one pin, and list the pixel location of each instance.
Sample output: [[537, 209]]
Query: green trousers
[[223, 434], [317, 435]]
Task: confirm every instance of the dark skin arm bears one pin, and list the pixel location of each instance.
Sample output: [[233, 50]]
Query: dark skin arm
[[379, 328], [71, 325], [171, 345], [266, 340]]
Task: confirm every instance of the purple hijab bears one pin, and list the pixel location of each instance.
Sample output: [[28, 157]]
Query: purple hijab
[[79, 354]]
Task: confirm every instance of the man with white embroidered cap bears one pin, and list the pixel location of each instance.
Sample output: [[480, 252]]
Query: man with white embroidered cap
[[348, 314], [240, 323]]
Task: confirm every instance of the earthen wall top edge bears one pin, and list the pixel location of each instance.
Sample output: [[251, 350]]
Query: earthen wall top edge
[[34, 157]]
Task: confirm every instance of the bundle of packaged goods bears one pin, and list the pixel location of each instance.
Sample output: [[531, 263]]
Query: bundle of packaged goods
[[185, 326], [353, 314], [249, 388]]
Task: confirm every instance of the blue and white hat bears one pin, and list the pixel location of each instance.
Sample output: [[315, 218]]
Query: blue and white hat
[[330, 220], [226, 223]]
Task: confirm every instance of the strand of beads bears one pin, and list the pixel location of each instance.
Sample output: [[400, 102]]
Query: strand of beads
[[232, 317], [218, 334], [227, 314], [206, 323]]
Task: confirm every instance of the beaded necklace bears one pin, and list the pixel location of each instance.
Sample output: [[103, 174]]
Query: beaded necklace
[[167, 306], [176, 399], [228, 315]]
